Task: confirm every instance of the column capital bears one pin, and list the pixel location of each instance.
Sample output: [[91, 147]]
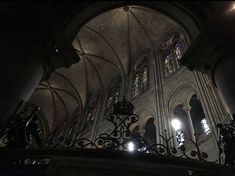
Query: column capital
[[206, 52], [209, 83], [142, 131], [187, 108]]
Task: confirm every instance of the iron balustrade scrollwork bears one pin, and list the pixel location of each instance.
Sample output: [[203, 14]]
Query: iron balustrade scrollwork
[[23, 129], [23, 132], [119, 138], [227, 142]]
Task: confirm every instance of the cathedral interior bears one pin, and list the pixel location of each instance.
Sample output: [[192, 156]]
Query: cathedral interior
[[117, 87]]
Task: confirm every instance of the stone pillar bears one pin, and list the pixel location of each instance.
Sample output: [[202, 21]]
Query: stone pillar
[[160, 108], [224, 78], [221, 102], [187, 109], [30, 49], [221, 106], [213, 53], [206, 99], [22, 66], [20, 73], [142, 130]]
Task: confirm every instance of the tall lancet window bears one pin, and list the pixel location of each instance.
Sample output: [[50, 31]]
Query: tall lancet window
[[114, 92], [140, 81], [181, 125], [91, 110], [150, 132], [199, 119], [171, 51]]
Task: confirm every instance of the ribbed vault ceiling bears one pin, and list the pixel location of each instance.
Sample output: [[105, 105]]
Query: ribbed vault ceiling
[[111, 41], [108, 44]]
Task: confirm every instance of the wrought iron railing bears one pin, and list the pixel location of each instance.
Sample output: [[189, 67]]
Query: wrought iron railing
[[25, 127]]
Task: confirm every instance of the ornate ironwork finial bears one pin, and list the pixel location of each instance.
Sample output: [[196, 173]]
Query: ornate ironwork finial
[[123, 107]]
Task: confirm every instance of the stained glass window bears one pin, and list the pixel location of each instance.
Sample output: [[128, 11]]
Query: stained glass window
[[140, 76], [113, 94], [172, 50], [91, 110]]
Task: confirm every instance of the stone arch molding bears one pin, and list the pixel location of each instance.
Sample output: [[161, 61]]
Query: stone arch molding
[[181, 95], [133, 126], [145, 113], [174, 105]]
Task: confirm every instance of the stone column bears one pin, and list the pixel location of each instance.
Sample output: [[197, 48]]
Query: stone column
[[213, 53], [224, 78], [142, 130], [30, 50], [207, 103], [187, 109], [22, 67], [160, 107]]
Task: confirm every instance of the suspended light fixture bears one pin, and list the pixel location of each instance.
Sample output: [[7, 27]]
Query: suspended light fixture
[[123, 107]]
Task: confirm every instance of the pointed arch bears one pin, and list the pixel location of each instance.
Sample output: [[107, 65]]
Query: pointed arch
[[150, 132], [171, 49], [198, 117], [186, 88], [140, 78], [184, 132], [113, 94]]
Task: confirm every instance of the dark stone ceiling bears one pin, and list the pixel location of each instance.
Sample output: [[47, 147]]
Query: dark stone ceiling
[[107, 45]]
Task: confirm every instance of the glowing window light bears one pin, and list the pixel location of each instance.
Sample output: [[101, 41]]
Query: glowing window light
[[176, 124], [130, 146], [180, 137], [205, 126], [233, 6]]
